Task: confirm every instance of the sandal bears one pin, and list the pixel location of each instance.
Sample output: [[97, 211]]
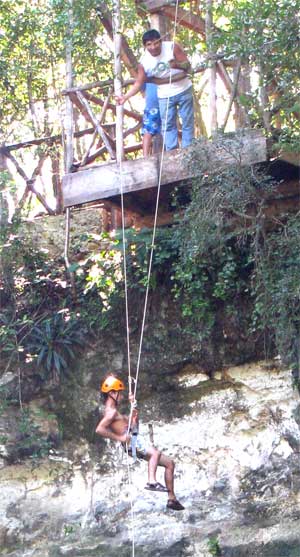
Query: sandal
[[174, 505], [156, 487]]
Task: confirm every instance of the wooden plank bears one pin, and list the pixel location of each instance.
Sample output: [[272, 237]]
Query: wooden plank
[[104, 181]]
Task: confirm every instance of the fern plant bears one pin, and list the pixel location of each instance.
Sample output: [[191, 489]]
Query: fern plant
[[55, 343]]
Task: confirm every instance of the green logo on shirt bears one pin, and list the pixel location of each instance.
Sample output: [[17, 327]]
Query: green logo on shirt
[[160, 68]]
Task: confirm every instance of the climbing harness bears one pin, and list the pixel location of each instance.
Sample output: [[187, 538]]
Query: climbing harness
[[134, 435]]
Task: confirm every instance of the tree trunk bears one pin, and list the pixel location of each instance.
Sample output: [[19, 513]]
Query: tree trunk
[[264, 99], [7, 298]]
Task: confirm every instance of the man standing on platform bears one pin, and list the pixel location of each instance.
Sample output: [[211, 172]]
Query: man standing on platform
[[161, 62]]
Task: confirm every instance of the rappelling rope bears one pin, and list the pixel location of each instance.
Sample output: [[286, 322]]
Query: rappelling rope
[[155, 221], [129, 478], [125, 278], [130, 379]]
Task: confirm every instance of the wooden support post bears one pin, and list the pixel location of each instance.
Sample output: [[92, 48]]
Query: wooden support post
[[69, 150], [69, 120], [118, 79], [161, 23], [212, 68], [264, 99], [233, 94], [242, 119]]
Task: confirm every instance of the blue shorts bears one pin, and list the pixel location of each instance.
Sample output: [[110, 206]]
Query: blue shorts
[[151, 121]]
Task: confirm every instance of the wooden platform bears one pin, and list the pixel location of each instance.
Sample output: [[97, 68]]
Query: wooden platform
[[104, 181]]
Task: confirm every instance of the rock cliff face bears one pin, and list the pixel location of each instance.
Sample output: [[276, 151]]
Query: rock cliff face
[[235, 440]]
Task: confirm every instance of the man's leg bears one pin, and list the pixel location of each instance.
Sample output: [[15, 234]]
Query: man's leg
[[186, 112], [147, 144], [167, 108], [169, 467], [152, 456]]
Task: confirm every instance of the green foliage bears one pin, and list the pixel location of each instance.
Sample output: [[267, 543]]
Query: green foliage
[[277, 291], [226, 257], [69, 529], [54, 343], [138, 249], [31, 442], [13, 332], [266, 36], [32, 289], [101, 277], [33, 45], [214, 547], [215, 259]]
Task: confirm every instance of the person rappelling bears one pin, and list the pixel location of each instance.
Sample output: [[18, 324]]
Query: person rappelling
[[118, 427]]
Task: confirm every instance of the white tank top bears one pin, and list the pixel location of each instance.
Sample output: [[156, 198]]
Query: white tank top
[[158, 66]]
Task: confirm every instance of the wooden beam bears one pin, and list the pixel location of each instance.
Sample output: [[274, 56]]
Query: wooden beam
[[100, 182], [101, 120], [87, 111], [48, 140], [94, 85], [97, 100], [97, 154], [186, 19]]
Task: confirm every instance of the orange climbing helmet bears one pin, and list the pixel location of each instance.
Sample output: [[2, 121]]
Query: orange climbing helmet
[[112, 383]]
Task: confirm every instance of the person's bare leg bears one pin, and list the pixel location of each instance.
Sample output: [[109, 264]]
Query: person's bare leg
[[169, 467], [147, 144], [153, 456]]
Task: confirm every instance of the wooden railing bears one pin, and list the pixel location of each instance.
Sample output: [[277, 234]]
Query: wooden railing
[[94, 102]]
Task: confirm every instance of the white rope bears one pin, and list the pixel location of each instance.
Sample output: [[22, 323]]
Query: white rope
[[132, 516], [125, 278], [155, 220], [130, 379], [129, 478]]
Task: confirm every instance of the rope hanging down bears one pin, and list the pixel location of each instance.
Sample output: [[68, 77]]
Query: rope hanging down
[[120, 155], [130, 378], [117, 81], [155, 219]]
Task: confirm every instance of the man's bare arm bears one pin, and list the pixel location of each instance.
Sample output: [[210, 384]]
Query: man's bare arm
[[135, 88], [180, 60], [164, 80]]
